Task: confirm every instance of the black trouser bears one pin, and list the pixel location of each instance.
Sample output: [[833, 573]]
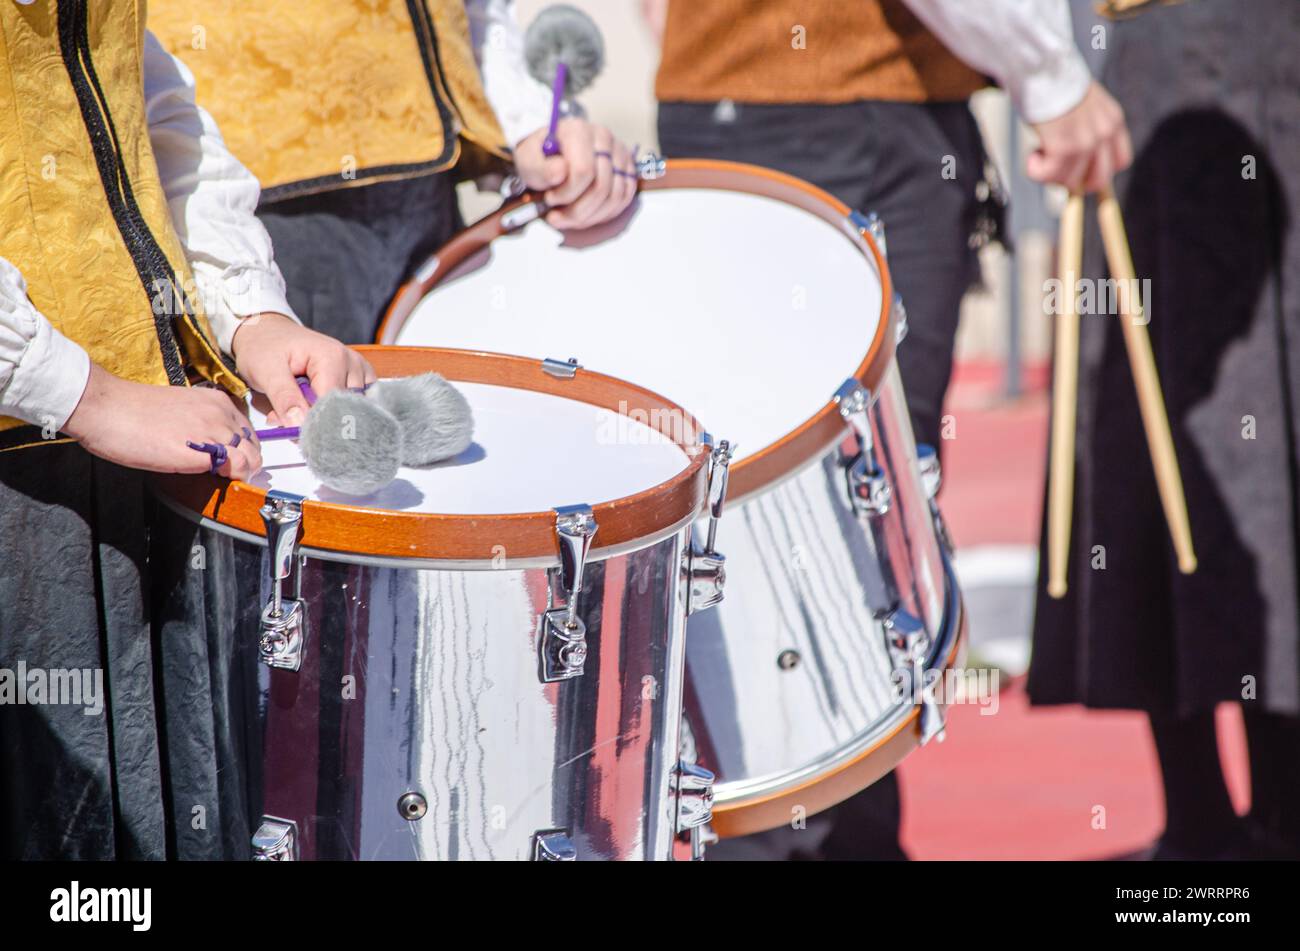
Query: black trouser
[[344, 253], [919, 167]]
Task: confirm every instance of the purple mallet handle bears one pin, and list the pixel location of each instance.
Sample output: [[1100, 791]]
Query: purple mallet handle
[[290, 432], [551, 145], [293, 432], [309, 394]]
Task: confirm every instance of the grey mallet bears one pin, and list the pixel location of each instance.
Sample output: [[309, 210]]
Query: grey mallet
[[351, 443], [434, 416], [355, 442], [564, 34]]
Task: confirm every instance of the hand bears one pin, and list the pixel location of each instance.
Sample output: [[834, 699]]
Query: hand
[[147, 427], [1085, 148], [271, 351], [580, 183]]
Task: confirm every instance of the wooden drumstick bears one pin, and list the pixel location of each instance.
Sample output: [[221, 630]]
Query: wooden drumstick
[[1065, 399], [1155, 419]]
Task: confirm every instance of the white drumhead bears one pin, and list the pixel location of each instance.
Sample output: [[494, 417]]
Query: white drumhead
[[747, 311], [531, 452]]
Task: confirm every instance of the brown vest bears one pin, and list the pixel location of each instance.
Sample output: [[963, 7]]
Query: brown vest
[[818, 51], [314, 95]]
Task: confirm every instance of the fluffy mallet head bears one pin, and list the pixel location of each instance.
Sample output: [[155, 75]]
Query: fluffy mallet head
[[564, 34], [434, 416], [351, 443]]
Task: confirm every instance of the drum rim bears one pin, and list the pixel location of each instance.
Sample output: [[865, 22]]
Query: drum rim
[[523, 538], [804, 444], [744, 807]]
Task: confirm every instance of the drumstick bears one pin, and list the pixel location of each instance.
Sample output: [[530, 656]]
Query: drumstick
[[1155, 419], [551, 145], [1065, 398]]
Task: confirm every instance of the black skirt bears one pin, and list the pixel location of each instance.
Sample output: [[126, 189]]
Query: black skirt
[[344, 253], [146, 760], [1210, 90]]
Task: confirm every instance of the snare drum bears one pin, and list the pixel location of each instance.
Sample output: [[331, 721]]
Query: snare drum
[[765, 305], [485, 659]]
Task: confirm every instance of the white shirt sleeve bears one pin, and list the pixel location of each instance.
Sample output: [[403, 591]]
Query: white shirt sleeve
[[521, 103], [1026, 45], [212, 198], [42, 372]]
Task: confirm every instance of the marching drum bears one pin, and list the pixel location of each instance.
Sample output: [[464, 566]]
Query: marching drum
[[765, 305], [484, 659]]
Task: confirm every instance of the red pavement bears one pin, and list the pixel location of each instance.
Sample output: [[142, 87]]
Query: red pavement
[[1042, 783]]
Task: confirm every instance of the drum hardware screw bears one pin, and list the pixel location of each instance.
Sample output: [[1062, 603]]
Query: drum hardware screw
[[283, 622], [871, 492], [869, 489], [574, 655], [412, 806], [706, 569], [563, 369], [788, 659], [562, 647]]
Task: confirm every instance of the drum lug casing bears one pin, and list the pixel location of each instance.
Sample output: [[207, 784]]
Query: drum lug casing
[[694, 787], [276, 840], [932, 478], [562, 646], [554, 845], [909, 644], [871, 224], [705, 569], [284, 618], [706, 574], [900, 318], [869, 489], [870, 493]]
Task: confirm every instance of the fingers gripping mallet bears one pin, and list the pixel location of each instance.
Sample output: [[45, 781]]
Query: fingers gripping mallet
[[355, 442]]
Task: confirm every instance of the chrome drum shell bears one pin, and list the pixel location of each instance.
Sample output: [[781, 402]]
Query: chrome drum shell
[[795, 699], [798, 686], [419, 693]]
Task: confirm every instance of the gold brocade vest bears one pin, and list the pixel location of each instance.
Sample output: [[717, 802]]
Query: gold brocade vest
[[314, 95], [82, 212], [806, 51]]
